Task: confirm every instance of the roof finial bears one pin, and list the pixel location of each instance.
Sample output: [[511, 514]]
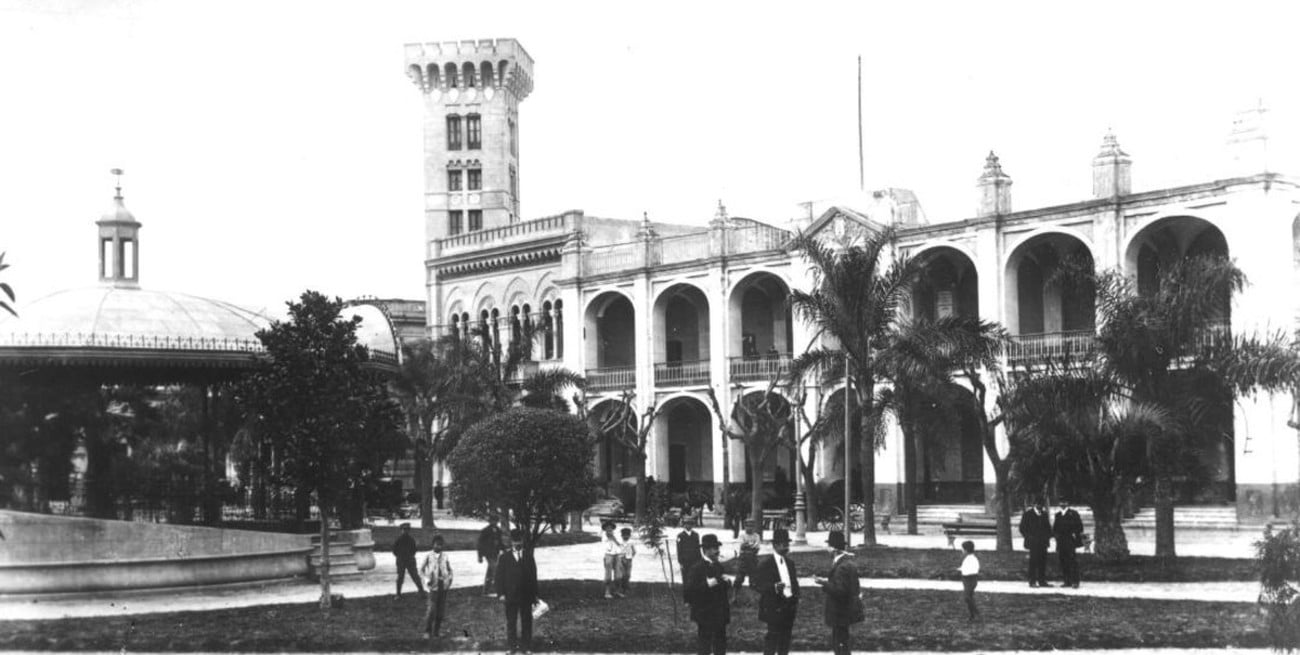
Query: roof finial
[[118, 172]]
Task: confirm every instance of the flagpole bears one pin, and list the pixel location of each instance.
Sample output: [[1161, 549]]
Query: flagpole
[[862, 184]]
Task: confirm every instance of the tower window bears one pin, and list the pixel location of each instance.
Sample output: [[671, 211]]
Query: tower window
[[453, 132], [475, 178], [514, 188], [454, 218], [106, 259], [453, 180], [473, 132], [514, 138], [475, 220], [128, 259]]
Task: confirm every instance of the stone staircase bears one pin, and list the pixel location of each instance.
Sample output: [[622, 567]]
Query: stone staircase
[[1205, 517], [351, 553]]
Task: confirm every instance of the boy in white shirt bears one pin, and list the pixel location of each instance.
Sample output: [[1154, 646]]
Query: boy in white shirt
[[613, 554], [436, 571], [970, 576]]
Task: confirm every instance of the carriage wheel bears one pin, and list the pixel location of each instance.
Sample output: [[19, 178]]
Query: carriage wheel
[[857, 517], [831, 518]]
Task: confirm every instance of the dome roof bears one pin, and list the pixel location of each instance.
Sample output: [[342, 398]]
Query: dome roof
[[110, 312], [118, 213]]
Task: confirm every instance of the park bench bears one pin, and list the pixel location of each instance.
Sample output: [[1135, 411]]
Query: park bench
[[776, 518], [970, 525]]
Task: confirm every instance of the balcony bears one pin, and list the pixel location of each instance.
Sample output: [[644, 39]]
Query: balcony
[[748, 369], [607, 378], [680, 374], [1050, 345]]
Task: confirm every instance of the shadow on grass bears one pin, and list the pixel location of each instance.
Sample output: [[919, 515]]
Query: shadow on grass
[[581, 620]]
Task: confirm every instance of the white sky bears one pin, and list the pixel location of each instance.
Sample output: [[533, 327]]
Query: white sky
[[272, 147]]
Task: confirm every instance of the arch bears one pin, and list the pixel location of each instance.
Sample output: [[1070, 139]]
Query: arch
[[761, 338], [417, 75], [615, 462], [610, 322], [517, 291], [1161, 243], [452, 75], [502, 68], [545, 288], [548, 331], [949, 452], [779, 468], [680, 315], [683, 438], [469, 75], [433, 75], [931, 246], [1037, 304], [947, 286], [486, 74]]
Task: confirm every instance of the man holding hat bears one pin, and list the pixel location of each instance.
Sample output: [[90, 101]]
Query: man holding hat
[[778, 588], [705, 589], [404, 553], [843, 594], [1068, 530]]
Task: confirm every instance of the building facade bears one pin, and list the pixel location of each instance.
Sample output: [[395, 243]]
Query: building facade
[[668, 312]]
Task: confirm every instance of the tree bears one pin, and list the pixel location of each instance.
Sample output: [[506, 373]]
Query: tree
[[329, 417], [619, 421], [532, 462], [764, 421], [1279, 563], [6, 290], [424, 380]]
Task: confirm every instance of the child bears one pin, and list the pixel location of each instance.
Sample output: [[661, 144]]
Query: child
[[629, 551], [436, 570], [970, 576], [613, 552]]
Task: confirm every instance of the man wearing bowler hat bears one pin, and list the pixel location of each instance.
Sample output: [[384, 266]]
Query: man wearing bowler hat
[[778, 588], [1068, 530], [1036, 528], [706, 591], [843, 594]]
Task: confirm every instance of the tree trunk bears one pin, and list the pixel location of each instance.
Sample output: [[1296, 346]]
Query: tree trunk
[[867, 460], [324, 570], [1109, 541], [758, 457], [1002, 504], [640, 489], [810, 497], [1164, 502], [909, 476], [423, 482]]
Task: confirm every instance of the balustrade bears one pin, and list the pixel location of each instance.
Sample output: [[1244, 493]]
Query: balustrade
[[676, 374], [611, 377], [1051, 344], [760, 368]]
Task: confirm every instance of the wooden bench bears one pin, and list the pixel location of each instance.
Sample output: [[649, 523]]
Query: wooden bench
[[776, 518], [969, 526]]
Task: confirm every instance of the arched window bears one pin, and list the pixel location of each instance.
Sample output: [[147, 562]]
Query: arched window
[[433, 77], [559, 329], [471, 76], [501, 72], [453, 79], [486, 335], [516, 327], [455, 326], [416, 75], [486, 67], [496, 336], [548, 332], [528, 330]]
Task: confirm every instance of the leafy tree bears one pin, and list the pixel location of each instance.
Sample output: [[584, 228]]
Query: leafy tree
[[1279, 564], [532, 462], [421, 386], [619, 421], [329, 416], [6, 290]]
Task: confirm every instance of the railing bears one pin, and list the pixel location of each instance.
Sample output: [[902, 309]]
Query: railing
[[756, 238], [760, 368], [548, 224], [1051, 344], [1213, 333], [112, 340], [676, 374], [611, 377]]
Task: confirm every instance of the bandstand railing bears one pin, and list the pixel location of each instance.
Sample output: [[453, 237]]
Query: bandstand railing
[[116, 340]]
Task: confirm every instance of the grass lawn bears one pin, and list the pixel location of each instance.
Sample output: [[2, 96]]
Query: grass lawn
[[580, 620], [942, 564]]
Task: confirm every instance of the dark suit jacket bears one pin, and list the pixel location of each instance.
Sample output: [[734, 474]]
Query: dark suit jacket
[[773, 607], [489, 542], [709, 605], [843, 606], [1036, 528], [1068, 529], [688, 549], [516, 579], [404, 548]]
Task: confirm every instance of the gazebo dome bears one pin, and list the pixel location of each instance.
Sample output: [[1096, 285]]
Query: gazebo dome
[[375, 331], [111, 314]]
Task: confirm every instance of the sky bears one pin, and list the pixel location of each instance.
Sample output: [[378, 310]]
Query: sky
[[275, 146]]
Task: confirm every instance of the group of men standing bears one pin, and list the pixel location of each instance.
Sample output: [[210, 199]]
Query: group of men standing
[[708, 592], [1039, 530]]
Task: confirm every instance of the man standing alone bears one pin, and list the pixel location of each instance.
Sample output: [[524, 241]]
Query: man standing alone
[[404, 553], [705, 589], [688, 546], [517, 586], [1036, 528], [778, 588], [1068, 529], [489, 547], [843, 594]]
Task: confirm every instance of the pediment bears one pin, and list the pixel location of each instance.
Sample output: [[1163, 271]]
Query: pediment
[[843, 227]]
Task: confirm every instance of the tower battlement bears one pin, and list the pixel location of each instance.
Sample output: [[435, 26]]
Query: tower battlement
[[484, 64]]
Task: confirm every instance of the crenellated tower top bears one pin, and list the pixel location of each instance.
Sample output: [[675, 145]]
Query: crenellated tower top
[[466, 70]]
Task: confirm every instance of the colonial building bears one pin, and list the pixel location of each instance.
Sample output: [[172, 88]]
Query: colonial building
[[669, 311]]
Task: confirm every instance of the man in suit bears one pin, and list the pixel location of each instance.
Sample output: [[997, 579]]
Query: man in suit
[[843, 594], [489, 548], [404, 554], [706, 590], [688, 545], [778, 588], [1068, 529], [1036, 528], [517, 586]]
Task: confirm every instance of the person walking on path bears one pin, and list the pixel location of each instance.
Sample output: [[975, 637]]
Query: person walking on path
[[970, 577], [688, 546], [843, 594], [612, 550], [778, 587], [1036, 528], [489, 549], [404, 553], [436, 571], [1068, 529], [625, 560], [517, 587], [705, 589]]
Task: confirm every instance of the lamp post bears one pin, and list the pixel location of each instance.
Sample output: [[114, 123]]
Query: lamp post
[[848, 447], [800, 503]]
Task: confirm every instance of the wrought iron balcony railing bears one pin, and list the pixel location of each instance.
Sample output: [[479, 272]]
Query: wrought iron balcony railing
[[611, 377], [677, 374], [744, 369]]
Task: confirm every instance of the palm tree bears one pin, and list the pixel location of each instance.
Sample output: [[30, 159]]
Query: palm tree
[[6, 290], [855, 299], [421, 382]]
